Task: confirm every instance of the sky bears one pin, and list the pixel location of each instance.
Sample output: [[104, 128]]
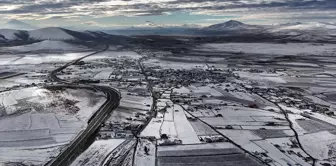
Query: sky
[[126, 13]]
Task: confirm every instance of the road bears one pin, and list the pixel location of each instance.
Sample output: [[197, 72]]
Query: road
[[112, 102]]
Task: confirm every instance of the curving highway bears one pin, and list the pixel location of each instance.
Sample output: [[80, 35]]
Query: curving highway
[[113, 98]]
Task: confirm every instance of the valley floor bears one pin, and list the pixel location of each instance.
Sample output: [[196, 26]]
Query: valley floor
[[207, 104]]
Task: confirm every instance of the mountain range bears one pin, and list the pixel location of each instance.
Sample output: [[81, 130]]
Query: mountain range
[[233, 26], [50, 33], [293, 31]]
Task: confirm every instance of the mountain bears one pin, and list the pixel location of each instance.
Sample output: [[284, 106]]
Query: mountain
[[51, 33], [305, 26], [19, 25], [310, 32], [231, 25], [10, 34]]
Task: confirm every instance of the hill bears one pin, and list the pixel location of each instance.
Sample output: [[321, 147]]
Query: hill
[[46, 45], [19, 25], [50, 33]]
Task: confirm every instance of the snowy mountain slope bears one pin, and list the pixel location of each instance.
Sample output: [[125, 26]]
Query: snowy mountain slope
[[51, 33], [61, 34], [236, 25], [9, 34], [306, 31], [306, 26], [297, 31], [46, 45], [87, 35]]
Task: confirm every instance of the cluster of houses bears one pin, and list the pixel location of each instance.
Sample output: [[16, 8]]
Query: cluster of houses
[[174, 78], [293, 98]]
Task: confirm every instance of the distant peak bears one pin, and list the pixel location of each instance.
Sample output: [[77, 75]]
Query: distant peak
[[231, 25], [17, 24], [14, 21], [233, 22]]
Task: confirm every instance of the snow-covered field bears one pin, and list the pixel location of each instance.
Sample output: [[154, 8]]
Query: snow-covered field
[[168, 127], [273, 49], [143, 159], [278, 156], [33, 119], [97, 152], [242, 137], [174, 126], [184, 129], [320, 145], [195, 149], [129, 107], [34, 59], [153, 128], [136, 102], [28, 156]]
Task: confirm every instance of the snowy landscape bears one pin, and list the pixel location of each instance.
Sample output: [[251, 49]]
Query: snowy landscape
[[226, 94]]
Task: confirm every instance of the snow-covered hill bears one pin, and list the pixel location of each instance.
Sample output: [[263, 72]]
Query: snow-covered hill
[[10, 34], [297, 31], [46, 45], [51, 33], [236, 25], [305, 26], [311, 31]]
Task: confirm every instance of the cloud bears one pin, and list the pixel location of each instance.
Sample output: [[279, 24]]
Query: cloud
[[244, 9], [155, 7], [91, 23]]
